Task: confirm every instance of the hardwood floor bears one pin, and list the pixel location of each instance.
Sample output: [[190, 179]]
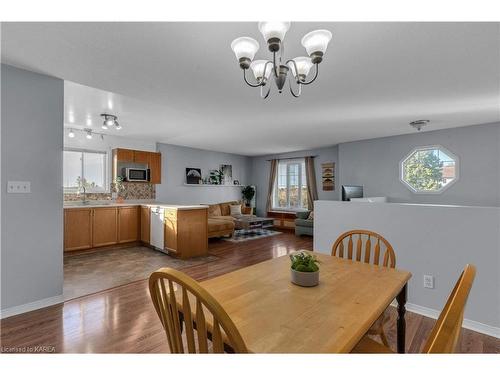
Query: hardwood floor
[[123, 320]]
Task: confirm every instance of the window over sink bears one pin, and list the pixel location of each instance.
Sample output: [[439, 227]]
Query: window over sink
[[85, 168]]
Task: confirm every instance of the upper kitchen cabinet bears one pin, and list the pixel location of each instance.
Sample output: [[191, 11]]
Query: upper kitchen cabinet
[[123, 158], [155, 167]]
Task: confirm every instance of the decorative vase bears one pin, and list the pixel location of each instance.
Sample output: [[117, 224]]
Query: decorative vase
[[304, 278]]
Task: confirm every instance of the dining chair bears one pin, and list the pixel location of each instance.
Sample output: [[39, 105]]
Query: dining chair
[[445, 333], [200, 312], [382, 251]]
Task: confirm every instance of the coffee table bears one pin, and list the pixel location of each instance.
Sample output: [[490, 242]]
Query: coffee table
[[253, 222]]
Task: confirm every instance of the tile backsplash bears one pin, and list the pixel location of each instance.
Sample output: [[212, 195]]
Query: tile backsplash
[[131, 190]]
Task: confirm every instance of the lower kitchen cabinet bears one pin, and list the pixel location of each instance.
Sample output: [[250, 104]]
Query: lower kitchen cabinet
[[104, 226], [186, 232], [77, 229], [128, 224], [145, 224]]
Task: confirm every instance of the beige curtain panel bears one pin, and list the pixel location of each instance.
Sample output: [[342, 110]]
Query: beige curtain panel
[[312, 190], [272, 179]]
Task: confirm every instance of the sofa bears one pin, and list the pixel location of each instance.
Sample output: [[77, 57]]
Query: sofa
[[220, 221], [303, 225]]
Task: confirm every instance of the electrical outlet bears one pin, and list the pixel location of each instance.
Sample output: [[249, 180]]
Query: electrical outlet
[[22, 187], [429, 281]]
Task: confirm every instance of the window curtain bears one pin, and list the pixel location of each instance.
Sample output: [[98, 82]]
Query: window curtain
[[312, 190], [272, 180]]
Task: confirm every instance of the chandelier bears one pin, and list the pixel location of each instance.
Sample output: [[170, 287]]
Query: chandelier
[[245, 49]]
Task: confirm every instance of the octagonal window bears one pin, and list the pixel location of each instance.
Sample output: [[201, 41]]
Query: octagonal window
[[429, 169]]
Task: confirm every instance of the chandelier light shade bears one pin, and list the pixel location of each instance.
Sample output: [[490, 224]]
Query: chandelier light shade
[[303, 65], [316, 42], [261, 69], [245, 49], [273, 30]]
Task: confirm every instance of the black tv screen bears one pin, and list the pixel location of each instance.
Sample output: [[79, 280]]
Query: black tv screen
[[351, 191]]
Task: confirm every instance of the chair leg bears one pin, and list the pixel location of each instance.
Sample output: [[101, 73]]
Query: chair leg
[[383, 337]]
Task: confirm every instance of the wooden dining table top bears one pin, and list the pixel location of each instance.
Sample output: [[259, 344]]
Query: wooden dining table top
[[275, 316]]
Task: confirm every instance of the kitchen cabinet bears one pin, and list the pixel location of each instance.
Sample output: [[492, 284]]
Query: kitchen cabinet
[[128, 224], [141, 157], [186, 232], [155, 167], [145, 224], [104, 226], [122, 157], [77, 229]]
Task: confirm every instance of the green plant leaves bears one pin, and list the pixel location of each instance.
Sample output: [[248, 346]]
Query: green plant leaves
[[304, 262]]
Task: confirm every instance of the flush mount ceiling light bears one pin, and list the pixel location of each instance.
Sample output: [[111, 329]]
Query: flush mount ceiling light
[[245, 49], [110, 120], [419, 124]]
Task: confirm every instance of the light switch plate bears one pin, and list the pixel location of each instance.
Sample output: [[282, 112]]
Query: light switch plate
[[21, 187], [429, 281]]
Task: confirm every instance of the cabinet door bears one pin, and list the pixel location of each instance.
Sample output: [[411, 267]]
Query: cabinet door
[[125, 155], [77, 229], [128, 224], [104, 226], [171, 230], [141, 157], [145, 224], [155, 167]]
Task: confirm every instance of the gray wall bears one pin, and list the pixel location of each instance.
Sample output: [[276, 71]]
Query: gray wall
[[175, 160], [374, 164], [32, 224], [261, 166]]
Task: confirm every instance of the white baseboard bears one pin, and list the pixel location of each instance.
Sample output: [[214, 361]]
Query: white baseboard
[[469, 324], [15, 310]]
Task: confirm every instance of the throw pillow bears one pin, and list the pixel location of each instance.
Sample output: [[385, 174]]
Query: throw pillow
[[235, 210], [311, 216]]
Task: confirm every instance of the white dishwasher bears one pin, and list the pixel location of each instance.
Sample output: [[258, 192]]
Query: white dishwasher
[[157, 230]]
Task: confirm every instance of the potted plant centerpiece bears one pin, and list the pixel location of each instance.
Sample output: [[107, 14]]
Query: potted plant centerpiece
[[304, 269], [248, 192]]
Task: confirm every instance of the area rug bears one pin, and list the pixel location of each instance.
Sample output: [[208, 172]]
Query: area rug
[[100, 270], [242, 235]]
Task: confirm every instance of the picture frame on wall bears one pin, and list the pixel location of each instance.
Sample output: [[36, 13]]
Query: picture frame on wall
[[328, 176], [193, 176], [227, 174]]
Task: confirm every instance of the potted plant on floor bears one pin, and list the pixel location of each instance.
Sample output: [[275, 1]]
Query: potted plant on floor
[[304, 269]]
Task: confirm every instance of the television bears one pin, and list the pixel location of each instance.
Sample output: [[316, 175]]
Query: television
[[351, 191]]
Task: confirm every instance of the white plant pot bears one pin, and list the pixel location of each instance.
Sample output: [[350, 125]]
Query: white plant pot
[[305, 278]]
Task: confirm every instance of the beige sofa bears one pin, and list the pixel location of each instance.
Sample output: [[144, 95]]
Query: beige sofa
[[220, 221]]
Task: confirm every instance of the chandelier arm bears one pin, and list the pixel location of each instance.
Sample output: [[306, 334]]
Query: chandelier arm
[[262, 91], [265, 70], [246, 81], [291, 90], [314, 78], [274, 65], [296, 70]]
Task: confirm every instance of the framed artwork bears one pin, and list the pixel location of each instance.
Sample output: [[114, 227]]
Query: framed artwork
[[227, 173], [328, 176], [193, 176]]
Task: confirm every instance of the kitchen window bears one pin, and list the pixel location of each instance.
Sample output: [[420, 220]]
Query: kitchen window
[[85, 168], [290, 189]]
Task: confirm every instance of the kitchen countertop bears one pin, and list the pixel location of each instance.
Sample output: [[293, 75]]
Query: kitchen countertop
[[146, 203]]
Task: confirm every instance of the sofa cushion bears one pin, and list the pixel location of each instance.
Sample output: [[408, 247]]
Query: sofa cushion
[[225, 207], [304, 222], [214, 210], [216, 225], [225, 218], [235, 209]]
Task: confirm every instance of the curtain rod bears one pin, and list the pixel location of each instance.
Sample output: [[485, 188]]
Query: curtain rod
[[296, 157]]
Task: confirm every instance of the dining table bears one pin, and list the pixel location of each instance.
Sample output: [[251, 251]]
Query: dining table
[[273, 315]]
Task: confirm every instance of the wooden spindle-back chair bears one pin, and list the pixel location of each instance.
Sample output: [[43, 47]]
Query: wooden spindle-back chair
[[198, 309], [365, 253], [445, 333], [382, 251]]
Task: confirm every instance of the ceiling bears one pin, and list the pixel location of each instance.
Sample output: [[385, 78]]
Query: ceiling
[[179, 83]]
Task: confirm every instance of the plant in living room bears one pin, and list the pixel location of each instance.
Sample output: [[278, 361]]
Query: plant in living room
[[216, 177], [304, 269], [248, 192]]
